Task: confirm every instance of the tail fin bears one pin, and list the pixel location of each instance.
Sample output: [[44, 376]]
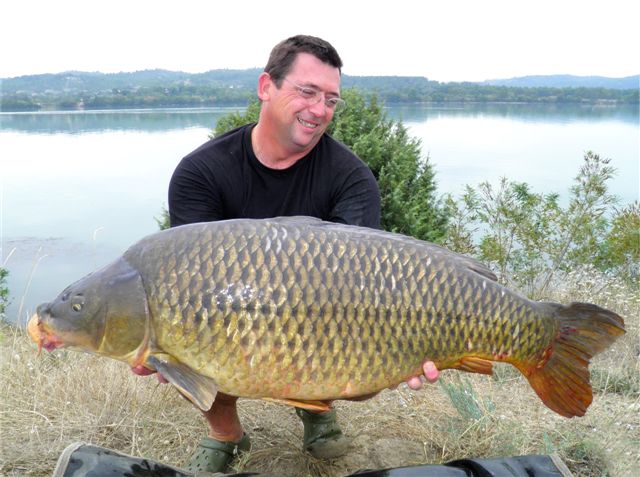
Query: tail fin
[[562, 382]]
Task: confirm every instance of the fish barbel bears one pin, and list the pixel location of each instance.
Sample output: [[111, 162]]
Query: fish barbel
[[305, 311]]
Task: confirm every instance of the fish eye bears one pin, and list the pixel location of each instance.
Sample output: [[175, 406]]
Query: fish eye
[[77, 303]]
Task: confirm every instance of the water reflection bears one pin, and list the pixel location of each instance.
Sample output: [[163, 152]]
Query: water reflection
[[528, 112], [158, 120], [79, 122]]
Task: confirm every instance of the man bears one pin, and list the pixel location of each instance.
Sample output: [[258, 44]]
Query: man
[[283, 165]]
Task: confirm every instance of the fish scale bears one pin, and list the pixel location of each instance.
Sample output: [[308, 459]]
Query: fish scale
[[307, 311]]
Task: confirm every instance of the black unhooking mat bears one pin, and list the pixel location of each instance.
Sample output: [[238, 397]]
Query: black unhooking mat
[[87, 460]]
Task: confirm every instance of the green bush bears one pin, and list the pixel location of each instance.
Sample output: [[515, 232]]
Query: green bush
[[4, 291], [528, 237], [621, 247], [236, 119], [164, 222], [406, 179]]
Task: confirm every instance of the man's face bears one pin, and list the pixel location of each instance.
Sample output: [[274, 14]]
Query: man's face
[[298, 122]]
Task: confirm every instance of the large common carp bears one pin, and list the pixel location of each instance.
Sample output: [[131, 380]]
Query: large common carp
[[305, 311]]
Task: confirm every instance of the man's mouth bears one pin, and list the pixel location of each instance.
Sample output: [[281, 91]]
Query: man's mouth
[[307, 124]]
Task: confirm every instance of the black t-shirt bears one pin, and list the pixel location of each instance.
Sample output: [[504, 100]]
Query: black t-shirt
[[223, 179]]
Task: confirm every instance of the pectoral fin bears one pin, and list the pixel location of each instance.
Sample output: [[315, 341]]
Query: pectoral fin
[[199, 389]]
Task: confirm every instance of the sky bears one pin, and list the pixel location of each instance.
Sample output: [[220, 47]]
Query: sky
[[447, 40]]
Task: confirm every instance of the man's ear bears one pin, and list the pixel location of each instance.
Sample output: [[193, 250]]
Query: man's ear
[[265, 83]]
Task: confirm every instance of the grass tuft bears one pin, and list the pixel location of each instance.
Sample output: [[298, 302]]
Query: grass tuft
[[469, 405]]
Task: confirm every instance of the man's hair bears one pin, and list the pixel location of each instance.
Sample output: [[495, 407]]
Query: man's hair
[[285, 52]]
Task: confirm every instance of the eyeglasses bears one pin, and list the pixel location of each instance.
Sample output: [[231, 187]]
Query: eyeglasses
[[314, 96]]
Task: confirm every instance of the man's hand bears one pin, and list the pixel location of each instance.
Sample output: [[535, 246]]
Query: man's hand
[[142, 370], [430, 374]]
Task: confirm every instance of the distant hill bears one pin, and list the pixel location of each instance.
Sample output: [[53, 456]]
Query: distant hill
[[78, 81], [567, 81], [94, 82], [163, 88]]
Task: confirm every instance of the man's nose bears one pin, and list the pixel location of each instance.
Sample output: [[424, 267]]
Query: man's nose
[[319, 109]]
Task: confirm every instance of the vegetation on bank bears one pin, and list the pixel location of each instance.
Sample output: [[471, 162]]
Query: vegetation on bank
[[4, 291], [158, 88], [527, 238]]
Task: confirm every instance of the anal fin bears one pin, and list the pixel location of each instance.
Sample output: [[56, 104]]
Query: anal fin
[[309, 405], [473, 364]]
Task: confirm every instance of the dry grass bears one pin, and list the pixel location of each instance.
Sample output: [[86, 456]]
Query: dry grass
[[52, 400]]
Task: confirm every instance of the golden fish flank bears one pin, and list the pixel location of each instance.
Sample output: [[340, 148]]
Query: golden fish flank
[[304, 310]]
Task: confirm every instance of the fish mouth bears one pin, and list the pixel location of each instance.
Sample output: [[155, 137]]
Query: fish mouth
[[44, 339]]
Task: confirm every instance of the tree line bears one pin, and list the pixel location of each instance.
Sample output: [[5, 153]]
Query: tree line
[[159, 88]]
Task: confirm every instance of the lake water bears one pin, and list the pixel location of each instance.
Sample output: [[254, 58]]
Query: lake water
[[77, 188]]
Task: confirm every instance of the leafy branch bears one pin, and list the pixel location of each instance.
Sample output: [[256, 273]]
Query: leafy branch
[[527, 237]]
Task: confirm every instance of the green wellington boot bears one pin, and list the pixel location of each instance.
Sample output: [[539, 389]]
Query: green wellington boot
[[323, 438], [214, 456]]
